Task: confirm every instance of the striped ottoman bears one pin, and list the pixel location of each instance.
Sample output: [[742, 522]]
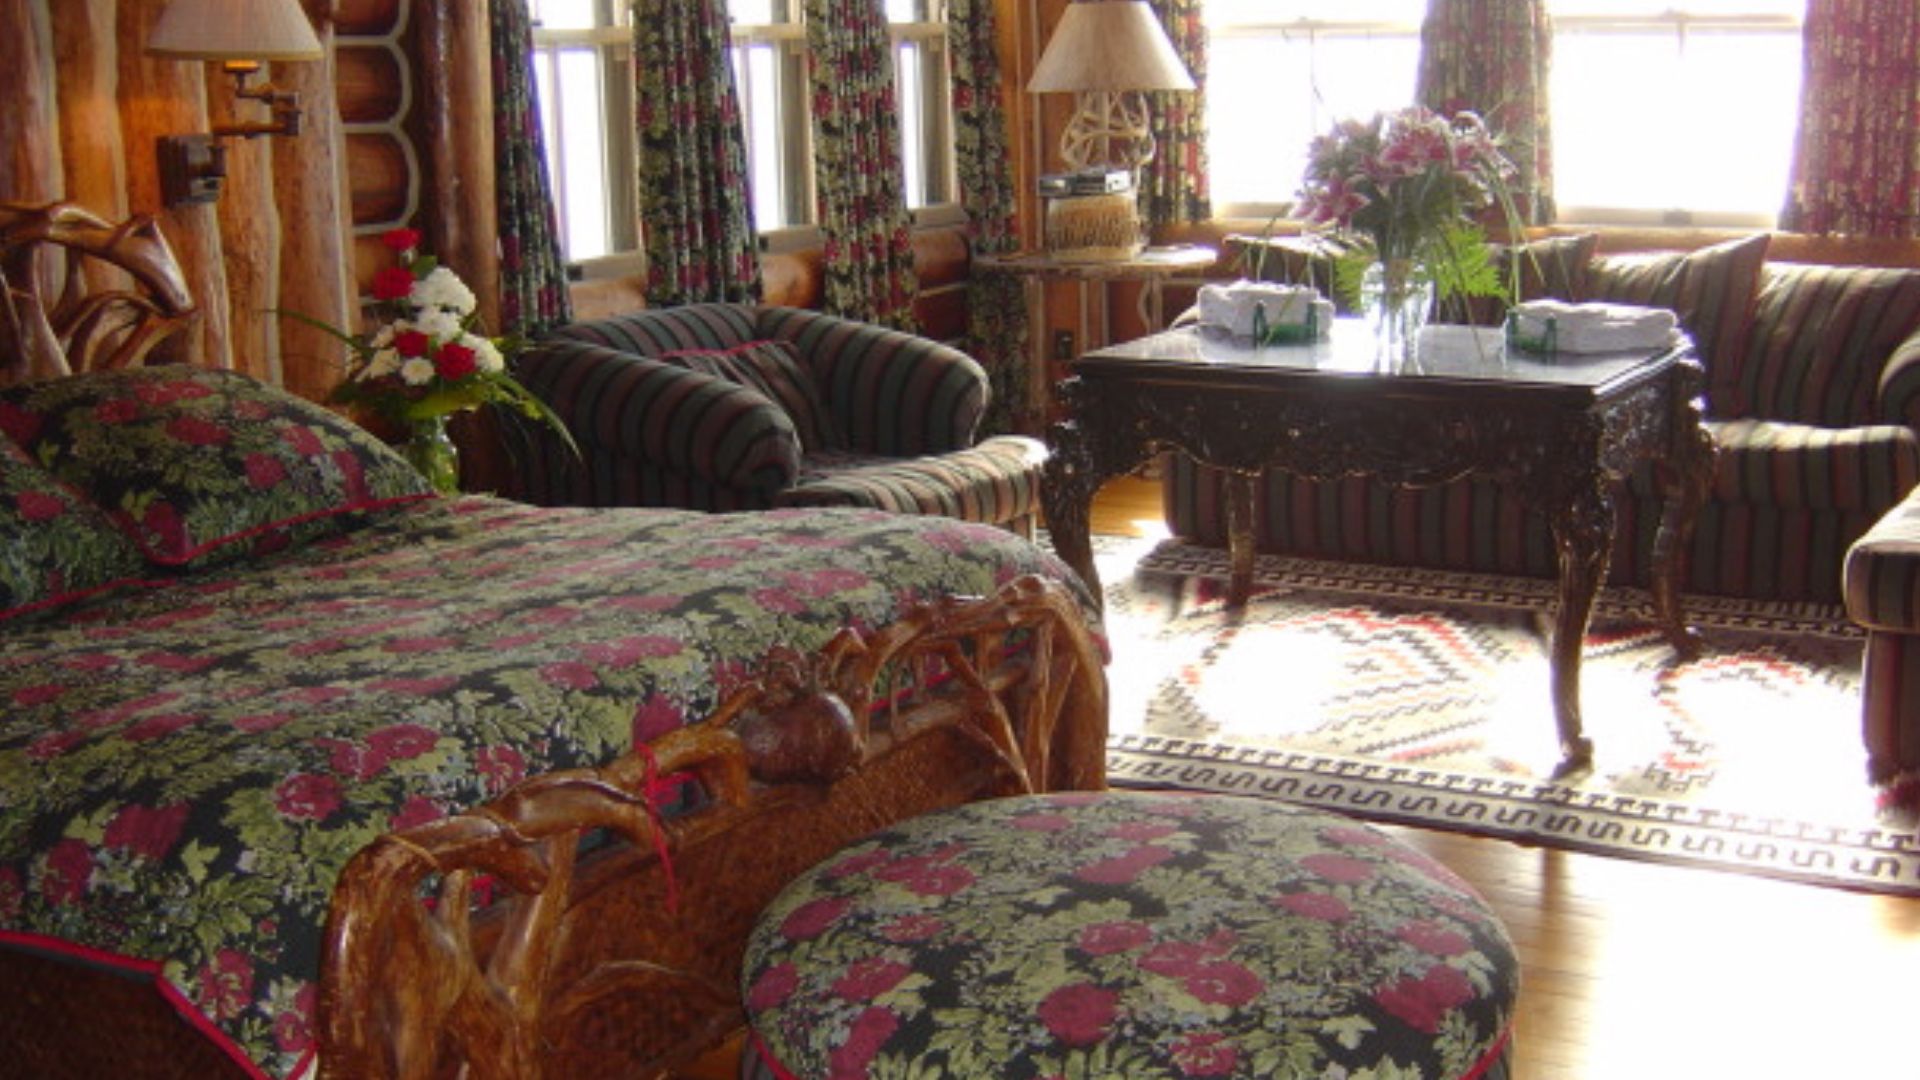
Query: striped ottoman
[[1129, 935]]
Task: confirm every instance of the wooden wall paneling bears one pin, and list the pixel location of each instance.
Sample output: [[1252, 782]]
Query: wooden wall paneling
[[453, 124], [380, 183], [310, 203], [368, 82], [86, 72], [367, 18], [168, 97], [29, 124], [249, 233]]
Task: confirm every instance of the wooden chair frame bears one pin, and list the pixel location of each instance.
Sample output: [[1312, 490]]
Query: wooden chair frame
[[623, 958]]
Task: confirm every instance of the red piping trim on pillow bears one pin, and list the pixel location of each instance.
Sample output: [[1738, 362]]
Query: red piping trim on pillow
[[70, 597], [766, 1058], [148, 969], [283, 523]]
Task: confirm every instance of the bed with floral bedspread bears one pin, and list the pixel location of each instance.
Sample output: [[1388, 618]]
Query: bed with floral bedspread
[[187, 759]]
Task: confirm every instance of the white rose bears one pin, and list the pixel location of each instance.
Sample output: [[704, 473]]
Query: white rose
[[384, 363], [417, 372], [485, 356], [441, 326], [443, 289]]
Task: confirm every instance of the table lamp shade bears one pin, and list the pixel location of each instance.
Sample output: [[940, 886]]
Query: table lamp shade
[[234, 30], [1111, 45]]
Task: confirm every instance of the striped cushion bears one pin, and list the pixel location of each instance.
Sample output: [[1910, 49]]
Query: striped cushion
[[774, 370], [1798, 466], [1712, 290], [1883, 572], [658, 330], [1821, 337], [888, 392], [995, 483], [647, 410]]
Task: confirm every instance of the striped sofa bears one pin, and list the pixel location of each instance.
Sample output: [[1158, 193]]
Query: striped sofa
[[1882, 579], [1813, 400], [669, 409]]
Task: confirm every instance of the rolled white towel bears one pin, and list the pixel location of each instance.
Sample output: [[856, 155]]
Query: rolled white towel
[[1595, 328], [1233, 307]]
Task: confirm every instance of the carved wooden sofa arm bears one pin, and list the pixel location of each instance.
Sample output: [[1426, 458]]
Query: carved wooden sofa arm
[[595, 958]]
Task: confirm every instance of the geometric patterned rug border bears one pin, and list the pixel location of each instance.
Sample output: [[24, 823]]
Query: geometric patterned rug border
[[1834, 837], [1502, 591], [1876, 860]]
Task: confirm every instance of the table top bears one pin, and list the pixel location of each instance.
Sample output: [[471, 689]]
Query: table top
[[1153, 261], [1203, 355]]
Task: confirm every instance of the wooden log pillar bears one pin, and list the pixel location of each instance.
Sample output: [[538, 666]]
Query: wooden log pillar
[[249, 231], [455, 134], [168, 97], [310, 196], [29, 126], [86, 69]]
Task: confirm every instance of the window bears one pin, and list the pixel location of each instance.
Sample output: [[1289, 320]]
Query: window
[[583, 61], [1678, 111]]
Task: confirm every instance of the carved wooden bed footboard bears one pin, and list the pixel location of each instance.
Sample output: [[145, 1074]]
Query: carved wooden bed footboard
[[569, 928]]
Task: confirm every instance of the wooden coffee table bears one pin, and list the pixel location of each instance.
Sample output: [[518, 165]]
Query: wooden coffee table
[[1557, 432]]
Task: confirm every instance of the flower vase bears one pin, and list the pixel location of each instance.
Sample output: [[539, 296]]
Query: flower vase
[[1395, 298], [430, 450]]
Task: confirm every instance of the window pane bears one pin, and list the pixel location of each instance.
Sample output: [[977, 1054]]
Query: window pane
[[1273, 12], [1704, 123], [757, 12], [913, 128], [1794, 8], [1268, 96], [583, 180], [907, 11], [565, 14], [756, 74]]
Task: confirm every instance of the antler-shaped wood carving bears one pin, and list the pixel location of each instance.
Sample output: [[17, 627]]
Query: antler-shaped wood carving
[[623, 958], [83, 326]]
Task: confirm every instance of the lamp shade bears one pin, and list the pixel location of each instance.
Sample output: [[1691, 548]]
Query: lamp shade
[[234, 30], [1112, 45]]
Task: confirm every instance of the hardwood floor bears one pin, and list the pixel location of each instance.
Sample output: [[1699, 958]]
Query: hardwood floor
[[1639, 971]]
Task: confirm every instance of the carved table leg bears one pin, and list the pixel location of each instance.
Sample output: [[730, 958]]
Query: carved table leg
[[1683, 479], [1239, 538], [1067, 499], [1582, 531]]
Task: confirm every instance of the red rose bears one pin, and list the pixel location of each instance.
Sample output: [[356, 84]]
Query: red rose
[[39, 506], [869, 1032], [812, 918], [150, 831], [455, 361], [940, 881], [501, 766], [1105, 939], [1079, 1014], [69, 870], [1205, 1054], [774, 986], [307, 795], [412, 343], [1222, 982], [1433, 939], [117, 411], [400, 241], [158, 727], [417, 810], [569, 675], [403, 741], [18, 424], [1339, 869], [264, 471], [868, 978], [303, 439], [1125, 868], [393, 283], [1314, 905], [293, 1029], [28, 696], [226, 985], [1422, 1003], [195, 431], [170, 533]]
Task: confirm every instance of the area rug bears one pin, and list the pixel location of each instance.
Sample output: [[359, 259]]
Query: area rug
[[1422, 698]]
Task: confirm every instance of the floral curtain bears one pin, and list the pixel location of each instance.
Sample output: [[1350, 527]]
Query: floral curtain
[[856, 133], [1491, 56], [1856, 163], [1174, 187], [695, 206], [533, 278], [998, 334]]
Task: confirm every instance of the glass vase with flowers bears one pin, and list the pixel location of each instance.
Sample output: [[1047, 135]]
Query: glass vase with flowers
[[1409, 187], [427, 359]]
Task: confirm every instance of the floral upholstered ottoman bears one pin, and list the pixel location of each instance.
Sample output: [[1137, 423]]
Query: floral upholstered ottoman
[[1129, 935]]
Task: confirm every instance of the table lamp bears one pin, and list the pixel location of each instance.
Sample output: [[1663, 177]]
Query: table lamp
[[1107, 52]]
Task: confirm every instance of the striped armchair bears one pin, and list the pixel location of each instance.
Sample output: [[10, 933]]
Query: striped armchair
[[1883, 594], [741, 407], [1813, 400]]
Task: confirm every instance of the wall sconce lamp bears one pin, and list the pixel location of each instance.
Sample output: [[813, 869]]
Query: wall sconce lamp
[[1106, 52], [242, 34]]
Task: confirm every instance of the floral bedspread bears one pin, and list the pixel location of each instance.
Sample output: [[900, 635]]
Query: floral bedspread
[[185, 769]]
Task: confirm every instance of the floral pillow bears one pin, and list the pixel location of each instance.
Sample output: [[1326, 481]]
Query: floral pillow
[[200, 466], [775, 370], [54, 545]]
